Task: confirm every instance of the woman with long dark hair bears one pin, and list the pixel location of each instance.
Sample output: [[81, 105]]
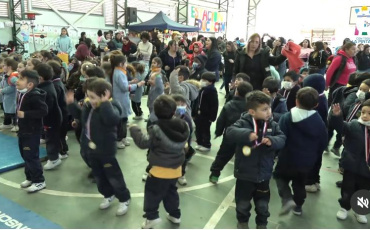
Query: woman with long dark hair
[[305, 51], [214, 57], [170, 57], [229, 59], [276, 51], [84, 50], [128, 49], [317, 59]]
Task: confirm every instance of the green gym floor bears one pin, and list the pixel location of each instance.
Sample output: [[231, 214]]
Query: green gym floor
[[72, 201]]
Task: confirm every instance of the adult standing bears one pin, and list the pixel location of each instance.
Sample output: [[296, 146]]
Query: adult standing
[[156, 42], [129, 49], [84, 50], [221, 44], [279, 44], [214, 57], [118, 41], [341, 68], [327, 49], [170, 57], [144, 50], [83, 37], [317, 59], [229, 59], [185, 42], [305, 51], [363, 59], [64, 42], [255, 61]]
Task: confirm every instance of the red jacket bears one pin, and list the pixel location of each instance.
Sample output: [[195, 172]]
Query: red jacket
[[82, 52], [348, 70]]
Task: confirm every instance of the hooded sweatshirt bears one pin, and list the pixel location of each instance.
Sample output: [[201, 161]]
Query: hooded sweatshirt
[[304, 143], [317, 81], [348, 70]]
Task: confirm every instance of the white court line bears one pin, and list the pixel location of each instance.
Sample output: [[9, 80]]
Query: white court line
[[217, 215]]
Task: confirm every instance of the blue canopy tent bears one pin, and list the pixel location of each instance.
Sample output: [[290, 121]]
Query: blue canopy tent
[[162, 22]]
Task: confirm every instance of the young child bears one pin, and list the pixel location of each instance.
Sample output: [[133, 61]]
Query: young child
[[31, 108], [290, 88], [206, 111], [156, 89], [257, 138], [101, 115], [53, 120], [355, 157], [156, 66], [240, 77], [9, 93], [32, 64], [230, 113], [303, 73], [198, 67], [136, 98], [189, 151], [271, 86], [303, 148], [61, 98], [166, 141], [21, 66]]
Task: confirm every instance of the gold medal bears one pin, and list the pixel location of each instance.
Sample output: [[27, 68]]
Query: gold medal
[[92, 145], [247, 151]]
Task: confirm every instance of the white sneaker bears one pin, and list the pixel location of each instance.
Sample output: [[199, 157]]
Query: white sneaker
[[204, 149], [125, 142], [2, 115], [311, 188], [342, 214], [36, 187], [64, 156], [42, 141], [15, 129], [318, 186], [122, 208], [6, 126], [66, 138], [145, 176], [52, 164], [285, 209], [26, 184], [361, 218], [150, 223], [138, 118], [198, 147], [120, 145], [173, 219], [182, 181], [106, 202]]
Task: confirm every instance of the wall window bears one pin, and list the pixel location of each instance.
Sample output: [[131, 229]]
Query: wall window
[[73, 6]]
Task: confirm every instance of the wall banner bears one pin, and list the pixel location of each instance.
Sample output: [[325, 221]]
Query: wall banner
[[210, 21]]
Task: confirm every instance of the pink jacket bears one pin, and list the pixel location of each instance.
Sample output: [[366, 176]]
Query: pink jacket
[[348, 70]]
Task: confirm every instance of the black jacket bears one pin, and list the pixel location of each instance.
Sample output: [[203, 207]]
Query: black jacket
[[167, 60], [198, 73], [207, 103], [290, 96], [61, 96], [34, 108], [103, 127], [363, 61], [319, 61], [353, 156], [54, 117], [214, 60], [256, 167], [260, 65], [278, 107], [230, 113], [229, 67]]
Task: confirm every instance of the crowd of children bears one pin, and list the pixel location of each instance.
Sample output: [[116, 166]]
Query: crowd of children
[[287, 120]]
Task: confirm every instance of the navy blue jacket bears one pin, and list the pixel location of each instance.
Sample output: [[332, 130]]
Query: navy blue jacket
[[258, 166], [353, 156], [214, 60], [278, 107], [54, 116], [290, 96], [306, 140], [207, 104]]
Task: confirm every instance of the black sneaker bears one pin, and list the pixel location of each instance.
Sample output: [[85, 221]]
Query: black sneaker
[[339, 183], [243, 225], [297, 210]]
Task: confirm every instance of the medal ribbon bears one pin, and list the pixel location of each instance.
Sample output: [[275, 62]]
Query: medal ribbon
[[88, 129], [287, 94], [56, 79], [354, 111], [256, 131]]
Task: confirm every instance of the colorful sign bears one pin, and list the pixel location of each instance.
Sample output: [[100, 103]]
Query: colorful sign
[[362, 21], [207, 20]]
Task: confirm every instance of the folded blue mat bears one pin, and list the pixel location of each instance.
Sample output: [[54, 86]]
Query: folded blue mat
[[10, 158]]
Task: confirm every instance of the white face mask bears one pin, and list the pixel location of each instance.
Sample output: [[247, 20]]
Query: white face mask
[[360, 95], [366, 123], [22, 90], [203, 84], [287, 85]]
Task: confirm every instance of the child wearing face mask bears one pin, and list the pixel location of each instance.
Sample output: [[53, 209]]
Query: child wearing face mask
[[198, 67], [206, 111], [355, 157], [290, 88]]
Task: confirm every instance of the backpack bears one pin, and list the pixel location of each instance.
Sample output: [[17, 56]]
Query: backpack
[[338, 71]]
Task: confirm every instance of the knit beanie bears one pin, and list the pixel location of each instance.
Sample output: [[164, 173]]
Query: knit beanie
[[316, 81], [202, 58]]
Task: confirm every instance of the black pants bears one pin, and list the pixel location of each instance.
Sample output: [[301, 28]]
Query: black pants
[[203, 131], [157, 190], [331, 90], [338, 137], [298, 180], [62, 137], [136, 108], [352, 183], [227, 79], [188, 155], [224, 155], [109, 177], [52, 138], [122, 129], [245, 191], [314, 175], [29, 148], [9, 119]]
